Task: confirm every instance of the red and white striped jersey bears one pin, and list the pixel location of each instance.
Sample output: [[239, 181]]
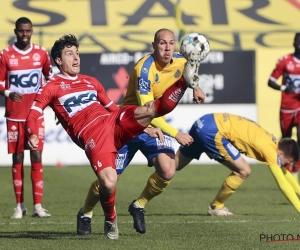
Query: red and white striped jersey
[[22, 72], [77, 102], [289, 68]]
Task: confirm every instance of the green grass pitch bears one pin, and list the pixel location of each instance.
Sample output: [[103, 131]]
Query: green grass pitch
[[175, 220]]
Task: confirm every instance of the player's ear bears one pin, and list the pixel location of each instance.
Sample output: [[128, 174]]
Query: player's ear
[[58, 60]]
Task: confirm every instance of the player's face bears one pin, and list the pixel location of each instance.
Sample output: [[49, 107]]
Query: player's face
[[284, 160], [69, 63], [297, 44], [23, 33], [164, 47]]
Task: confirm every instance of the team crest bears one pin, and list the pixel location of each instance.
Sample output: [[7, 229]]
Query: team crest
[[13, 61], [64, 86], [36, 57], [177, 74]]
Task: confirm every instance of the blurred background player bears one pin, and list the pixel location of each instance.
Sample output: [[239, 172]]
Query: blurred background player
[[223, 137], [149, 79], [94, 122], [22, 66], [289, 68]]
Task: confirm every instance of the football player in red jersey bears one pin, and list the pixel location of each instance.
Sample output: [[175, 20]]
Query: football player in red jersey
[[22, 66], [94, 122], [288, 67]]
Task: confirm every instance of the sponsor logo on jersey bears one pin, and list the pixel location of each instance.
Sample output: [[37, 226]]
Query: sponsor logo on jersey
[[36, 63], [77, 101], [25, 57], [12, 136], [24, 81], [166, 71], [177, 74], [232, 149], [13, 62], [13, 127], [145, 70], [144, 86], [86, 81], [176, 95], [76, 82], [64, 86]]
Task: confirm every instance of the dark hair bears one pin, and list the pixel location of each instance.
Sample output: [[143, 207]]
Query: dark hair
[[64, 41], [296, 35], [22, 20], [160, 30], [290, 148]]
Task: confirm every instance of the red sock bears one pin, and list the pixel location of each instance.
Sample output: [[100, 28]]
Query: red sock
[[18, 181], [108, 206], [37, 182], [170, 98]]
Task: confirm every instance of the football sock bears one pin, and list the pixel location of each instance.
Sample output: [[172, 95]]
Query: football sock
[[92, 198], [37, 182], [108, 206], [231, 183], [18, 181], [154, 187], [290, 178], [170, 98]]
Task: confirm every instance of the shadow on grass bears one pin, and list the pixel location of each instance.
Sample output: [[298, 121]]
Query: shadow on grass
[[41, 235]]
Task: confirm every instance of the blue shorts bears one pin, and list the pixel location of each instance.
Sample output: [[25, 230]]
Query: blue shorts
[[207, 139], [149, 146]]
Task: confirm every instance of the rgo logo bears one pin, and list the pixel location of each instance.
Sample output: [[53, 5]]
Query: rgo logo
[[25, 83], [76, 103]]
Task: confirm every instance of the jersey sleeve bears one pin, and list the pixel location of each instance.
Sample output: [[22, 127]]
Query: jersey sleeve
[[47, 67], [2, 72], [278, 71], [285, 186]]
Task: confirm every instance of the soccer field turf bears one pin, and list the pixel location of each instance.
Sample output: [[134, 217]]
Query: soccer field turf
[[175, 220]]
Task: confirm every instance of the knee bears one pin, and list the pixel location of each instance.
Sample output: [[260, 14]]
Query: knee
[[244, 174], [107, 180], [166, 170]]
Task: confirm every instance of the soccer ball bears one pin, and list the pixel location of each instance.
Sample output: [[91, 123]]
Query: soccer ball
[[195, 40]]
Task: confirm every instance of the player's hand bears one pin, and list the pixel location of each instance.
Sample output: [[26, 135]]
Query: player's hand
[[290, 90], [155, 133], [199, 95], [16, 97], [33, 142], [184, 139]]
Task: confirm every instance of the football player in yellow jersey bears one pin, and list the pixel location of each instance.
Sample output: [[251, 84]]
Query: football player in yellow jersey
[[224, 137], [149, 79]]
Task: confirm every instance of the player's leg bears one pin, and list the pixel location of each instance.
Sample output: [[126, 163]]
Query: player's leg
[[18, 183], [37, 178], [125, 155], [240, 171], [161, 156], [37, 181], [15, 145]]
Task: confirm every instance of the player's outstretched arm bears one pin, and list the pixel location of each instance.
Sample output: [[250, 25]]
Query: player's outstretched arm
[[285, 187]]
